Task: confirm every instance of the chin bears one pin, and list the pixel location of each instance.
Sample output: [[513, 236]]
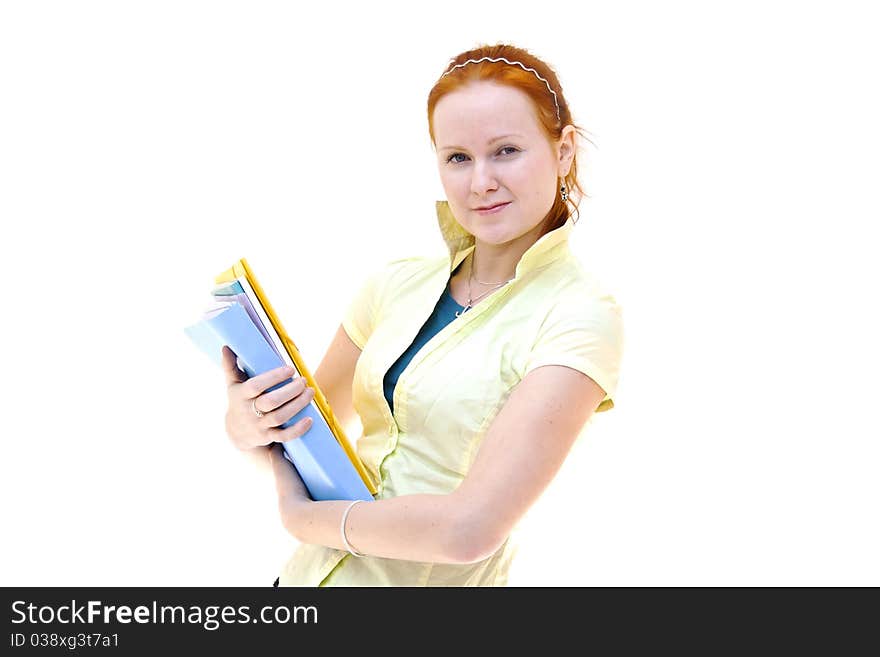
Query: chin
[[496, 235]]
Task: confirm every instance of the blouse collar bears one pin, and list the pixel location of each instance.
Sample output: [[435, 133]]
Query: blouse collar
[[460, 242]]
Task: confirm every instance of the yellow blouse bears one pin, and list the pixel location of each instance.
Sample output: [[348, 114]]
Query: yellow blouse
[[551, 312]]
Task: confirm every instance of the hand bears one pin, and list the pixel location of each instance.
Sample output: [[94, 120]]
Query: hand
[[245, 429]]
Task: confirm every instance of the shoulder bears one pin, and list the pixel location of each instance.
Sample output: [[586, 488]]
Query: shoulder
[[402, 270], [575, 294], [386, 280], [580, 326]]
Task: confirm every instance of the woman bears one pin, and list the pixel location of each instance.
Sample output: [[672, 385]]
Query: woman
[[472, 373]]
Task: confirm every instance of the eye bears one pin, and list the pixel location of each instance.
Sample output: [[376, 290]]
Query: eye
[[449, 159]]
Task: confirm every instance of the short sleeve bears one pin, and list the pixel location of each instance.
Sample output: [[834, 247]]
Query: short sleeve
[[587, 337], [360, 316]]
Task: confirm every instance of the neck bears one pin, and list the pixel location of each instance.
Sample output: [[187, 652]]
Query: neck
[[495, 263], [483, 268]]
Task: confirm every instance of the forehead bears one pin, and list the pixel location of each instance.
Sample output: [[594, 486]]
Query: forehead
[[481, 108]]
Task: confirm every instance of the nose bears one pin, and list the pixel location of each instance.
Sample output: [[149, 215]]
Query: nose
[[483, 179]]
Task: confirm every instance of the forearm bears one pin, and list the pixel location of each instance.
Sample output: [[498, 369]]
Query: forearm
[[410, 527]]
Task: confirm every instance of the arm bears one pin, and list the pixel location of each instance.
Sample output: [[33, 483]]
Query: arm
[[519, 456], [335, 376], [524, 449], [409, 527]]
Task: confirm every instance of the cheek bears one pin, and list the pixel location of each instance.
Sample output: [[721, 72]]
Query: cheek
[[456, 184], [527, 174], [532, 188]]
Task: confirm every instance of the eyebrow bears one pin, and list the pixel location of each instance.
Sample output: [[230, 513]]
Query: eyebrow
[[491, 141]]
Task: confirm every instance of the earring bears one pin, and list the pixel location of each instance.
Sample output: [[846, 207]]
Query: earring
[[563, 192]]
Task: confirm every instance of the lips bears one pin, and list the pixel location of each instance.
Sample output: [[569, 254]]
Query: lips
[[489, 207]]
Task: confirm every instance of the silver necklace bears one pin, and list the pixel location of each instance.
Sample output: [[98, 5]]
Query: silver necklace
[[471, 300]]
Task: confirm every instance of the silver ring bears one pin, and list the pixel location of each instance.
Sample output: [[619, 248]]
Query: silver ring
[[256, 410]]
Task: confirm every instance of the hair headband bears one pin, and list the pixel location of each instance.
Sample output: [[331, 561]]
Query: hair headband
[[520, 64]]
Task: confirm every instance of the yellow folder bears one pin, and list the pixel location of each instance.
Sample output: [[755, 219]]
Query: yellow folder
[[242, 270]]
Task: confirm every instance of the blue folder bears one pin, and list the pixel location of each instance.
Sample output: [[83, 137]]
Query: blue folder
[[320, 460]]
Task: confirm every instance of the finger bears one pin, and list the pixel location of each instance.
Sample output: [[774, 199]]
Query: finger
[[230, 369], [296, 430], [269, 401], [282, 414], [256, 385]]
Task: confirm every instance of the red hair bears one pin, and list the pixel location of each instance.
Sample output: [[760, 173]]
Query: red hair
[[527, 82]]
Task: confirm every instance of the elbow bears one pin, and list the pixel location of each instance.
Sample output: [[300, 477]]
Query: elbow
[[474, 536]]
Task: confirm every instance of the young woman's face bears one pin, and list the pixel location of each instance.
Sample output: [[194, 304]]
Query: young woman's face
[[491, 149]]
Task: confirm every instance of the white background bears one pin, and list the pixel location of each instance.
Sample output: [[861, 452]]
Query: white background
[[144, 147]]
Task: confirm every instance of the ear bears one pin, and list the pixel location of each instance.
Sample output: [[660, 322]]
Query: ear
[[566, 147]]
